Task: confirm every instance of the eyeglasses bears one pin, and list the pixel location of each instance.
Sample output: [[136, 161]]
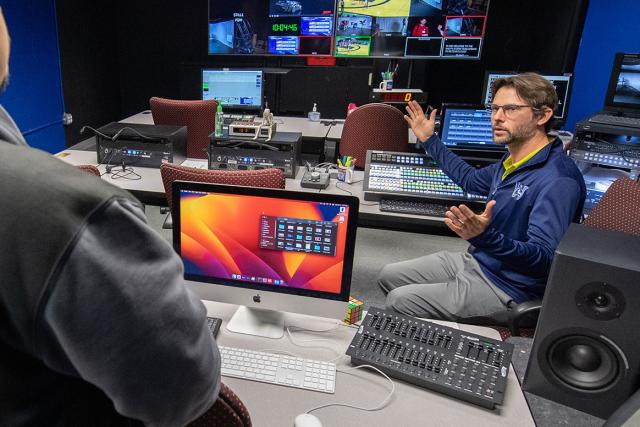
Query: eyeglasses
[[510, 110]]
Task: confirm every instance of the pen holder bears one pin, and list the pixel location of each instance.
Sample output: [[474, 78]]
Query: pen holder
[[345, 174], [386, 84]]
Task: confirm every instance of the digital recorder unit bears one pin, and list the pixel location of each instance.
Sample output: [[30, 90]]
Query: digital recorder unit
[[607, 145], [141, 145], [245, 128], [236, 153]]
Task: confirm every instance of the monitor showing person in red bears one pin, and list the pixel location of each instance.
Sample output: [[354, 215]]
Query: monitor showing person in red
[[420, 29]]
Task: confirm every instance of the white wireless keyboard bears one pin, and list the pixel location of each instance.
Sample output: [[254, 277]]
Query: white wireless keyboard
[[278, 369]]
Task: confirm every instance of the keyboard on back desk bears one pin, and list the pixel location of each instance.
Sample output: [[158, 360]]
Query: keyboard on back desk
[[608, 119], [413, 207]]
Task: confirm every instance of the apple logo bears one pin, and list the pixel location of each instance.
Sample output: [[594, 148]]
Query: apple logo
[[256, 298]]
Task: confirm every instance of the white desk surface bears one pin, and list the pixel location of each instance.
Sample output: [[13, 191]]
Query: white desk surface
[[150, 180], [151, 184], [273, 405], [308, 128]]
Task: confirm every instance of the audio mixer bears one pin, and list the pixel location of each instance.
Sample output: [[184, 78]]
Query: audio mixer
[[457, 363]]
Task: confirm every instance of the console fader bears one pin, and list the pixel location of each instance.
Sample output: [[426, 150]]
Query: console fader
[[461, 364]]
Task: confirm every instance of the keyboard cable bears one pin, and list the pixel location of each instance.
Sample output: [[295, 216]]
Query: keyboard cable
[[379, 406]]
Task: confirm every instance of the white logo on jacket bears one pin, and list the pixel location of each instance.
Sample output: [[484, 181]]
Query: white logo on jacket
[[519, 191]]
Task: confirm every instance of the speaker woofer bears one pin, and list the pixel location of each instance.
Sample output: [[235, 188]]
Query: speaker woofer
[[583, 363]]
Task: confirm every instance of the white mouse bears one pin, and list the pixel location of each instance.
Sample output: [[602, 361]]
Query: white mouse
[[307, 420]]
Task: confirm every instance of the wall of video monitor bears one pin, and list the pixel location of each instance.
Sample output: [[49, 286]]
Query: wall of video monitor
[[348, 28]]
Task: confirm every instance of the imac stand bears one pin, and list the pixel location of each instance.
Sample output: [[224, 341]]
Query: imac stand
[[257, 321]]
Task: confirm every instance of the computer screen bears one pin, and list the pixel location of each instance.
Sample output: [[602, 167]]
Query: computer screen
[[598, 179], [562, 83], [271, 27], [446, 29], [293, 250], [467, 126], [234, 89], [624, 85]]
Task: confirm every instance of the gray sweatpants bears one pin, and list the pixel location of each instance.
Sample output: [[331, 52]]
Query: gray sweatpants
[[444, 285]]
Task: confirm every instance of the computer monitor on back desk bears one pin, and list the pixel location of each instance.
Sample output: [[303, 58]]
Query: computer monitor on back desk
[[240, 91], [270, 251], [466, 130], [562, 84]]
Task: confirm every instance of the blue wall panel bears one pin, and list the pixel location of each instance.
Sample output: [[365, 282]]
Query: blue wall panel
[[610, 27], [34, 97]]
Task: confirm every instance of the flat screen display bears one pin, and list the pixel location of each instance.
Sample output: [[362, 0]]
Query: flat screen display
[[268, 242], [452, 29], [562, 84], [410, 28], [271, 27], [624, 85], [467, 126], [598, 180], [234, 89]]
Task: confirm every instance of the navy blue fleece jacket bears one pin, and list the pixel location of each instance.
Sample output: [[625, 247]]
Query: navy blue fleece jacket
[[534, 206]]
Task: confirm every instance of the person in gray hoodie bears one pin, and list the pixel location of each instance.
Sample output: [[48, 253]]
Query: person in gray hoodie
[[97, 326]]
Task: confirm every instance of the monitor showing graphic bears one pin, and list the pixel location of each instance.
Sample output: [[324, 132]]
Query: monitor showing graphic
[[234, 89], [562, 84], [271, 27], [465, 126], [452, 29], [624, 85], [265, 242]]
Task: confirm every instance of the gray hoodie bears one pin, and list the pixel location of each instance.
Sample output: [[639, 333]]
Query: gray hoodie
[[9, 132]]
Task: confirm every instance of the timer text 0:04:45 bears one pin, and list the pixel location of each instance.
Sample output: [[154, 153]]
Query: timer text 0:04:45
[[284, 27]]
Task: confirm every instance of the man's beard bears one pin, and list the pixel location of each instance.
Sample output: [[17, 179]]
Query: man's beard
[[518, 135]]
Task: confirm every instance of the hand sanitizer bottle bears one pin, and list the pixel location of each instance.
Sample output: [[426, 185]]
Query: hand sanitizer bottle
[[219, 121], [314, 115]]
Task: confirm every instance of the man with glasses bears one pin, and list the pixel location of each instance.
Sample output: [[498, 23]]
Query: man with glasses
[[533, 195]]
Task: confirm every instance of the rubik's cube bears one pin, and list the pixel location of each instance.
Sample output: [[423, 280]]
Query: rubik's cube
[[354, 311]]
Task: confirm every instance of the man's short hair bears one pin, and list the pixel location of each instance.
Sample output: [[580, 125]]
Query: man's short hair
[[534, 89]]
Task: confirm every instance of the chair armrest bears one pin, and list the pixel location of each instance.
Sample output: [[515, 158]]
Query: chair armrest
[[519, 311]]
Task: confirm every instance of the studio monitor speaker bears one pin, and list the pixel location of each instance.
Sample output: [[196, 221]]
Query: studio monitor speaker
[[586, 349]]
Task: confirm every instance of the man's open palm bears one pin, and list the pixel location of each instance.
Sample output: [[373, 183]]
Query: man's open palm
[[467, 224], [422, 126]]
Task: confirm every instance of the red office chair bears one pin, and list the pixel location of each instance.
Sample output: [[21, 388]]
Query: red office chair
[[90, 169], [227, 411], [373, 127], [265, 178], [618, 209], [198, 116]]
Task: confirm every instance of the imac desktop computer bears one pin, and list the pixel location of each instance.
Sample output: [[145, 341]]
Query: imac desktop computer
[[269, 251], [238, 90]]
